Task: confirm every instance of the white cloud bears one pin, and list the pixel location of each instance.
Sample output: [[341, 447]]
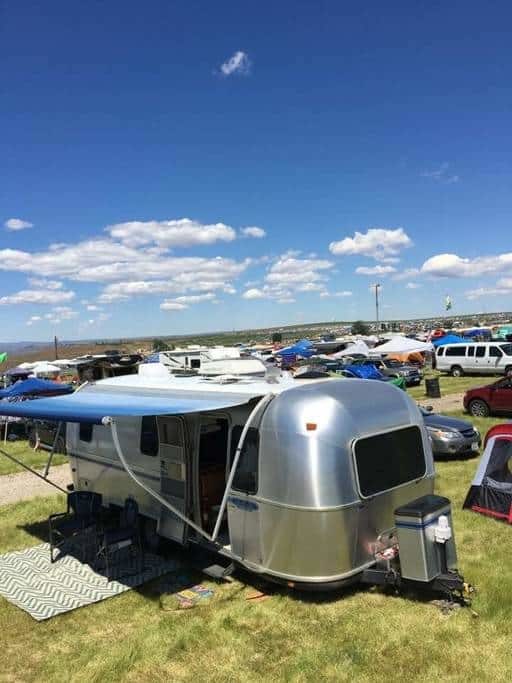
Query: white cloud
[[17, 224], [45, 284], [343, 293], [375, 270], [412, 285], [253, 293], [253, 231], [238, 63], [502, 287], [451, 265], [93, 307], [41, 296], [172, 306], [195, 298], [183, 232], [33, 319], [406, 274], [291, 270], [378, 243], [441, 174]]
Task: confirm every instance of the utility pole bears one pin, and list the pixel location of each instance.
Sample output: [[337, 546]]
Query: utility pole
[[56, 345], [377, 287]]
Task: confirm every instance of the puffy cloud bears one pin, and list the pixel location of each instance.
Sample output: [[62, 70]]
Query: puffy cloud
[[238, 63], [45, 284], [406, 274], [40, 296], [17, 224], [183, 232], [451, 265], [375, 270], [254, 293], [378, 243], [253, 231], [412, 285], [33, 319], [291, 270], [93, 307], [502, 287], [172, 306], [195, 298]]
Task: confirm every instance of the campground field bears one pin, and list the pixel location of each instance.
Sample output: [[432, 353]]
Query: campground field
[[359, 634]]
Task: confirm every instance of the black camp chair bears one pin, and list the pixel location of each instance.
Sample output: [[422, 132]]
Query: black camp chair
[[121, 542], [77, 527]]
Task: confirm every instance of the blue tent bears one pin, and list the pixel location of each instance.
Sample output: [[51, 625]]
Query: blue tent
[[479, 332], [449, 339], [302, 348], [35, 387], [363, 371]]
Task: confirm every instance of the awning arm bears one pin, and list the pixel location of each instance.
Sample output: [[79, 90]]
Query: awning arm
[[262, 403], [115, 437], [21, 464]]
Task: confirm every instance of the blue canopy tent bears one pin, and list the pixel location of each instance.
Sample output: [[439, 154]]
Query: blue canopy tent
[[449, 339], [95, 406], [363, 371], [303, 348], [481, 332], [35, 387]]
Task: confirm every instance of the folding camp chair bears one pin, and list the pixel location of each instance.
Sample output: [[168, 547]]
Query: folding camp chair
[[122, 542], [77, 527]]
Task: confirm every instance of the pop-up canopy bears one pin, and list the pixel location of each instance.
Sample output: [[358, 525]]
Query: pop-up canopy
[[400, 344], [93, 406], [35, 387]]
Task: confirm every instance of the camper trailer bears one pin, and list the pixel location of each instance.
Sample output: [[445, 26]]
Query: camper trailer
[[314, 483]]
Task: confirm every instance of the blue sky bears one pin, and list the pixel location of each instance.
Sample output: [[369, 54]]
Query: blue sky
[[359, 142]]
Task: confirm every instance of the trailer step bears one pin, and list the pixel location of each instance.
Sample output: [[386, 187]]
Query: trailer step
[[217, 571]]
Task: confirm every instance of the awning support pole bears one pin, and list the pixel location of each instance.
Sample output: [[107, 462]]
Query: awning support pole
[[26, 467], [262, 403], [115, 437], [50, 457], [148, 489]]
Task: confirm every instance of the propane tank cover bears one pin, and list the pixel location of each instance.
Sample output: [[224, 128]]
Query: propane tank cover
[[443, 531]]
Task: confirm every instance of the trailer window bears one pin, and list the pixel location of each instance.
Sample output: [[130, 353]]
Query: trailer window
[[246, 476], [85, 432], [149, 436], [388, 460]]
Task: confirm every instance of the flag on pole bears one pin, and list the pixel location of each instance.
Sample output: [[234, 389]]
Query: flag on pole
[[3, 357], [447, 303]]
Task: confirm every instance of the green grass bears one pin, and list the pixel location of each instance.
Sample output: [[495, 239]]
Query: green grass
[[449, 385], [362, 635], [22, 451]]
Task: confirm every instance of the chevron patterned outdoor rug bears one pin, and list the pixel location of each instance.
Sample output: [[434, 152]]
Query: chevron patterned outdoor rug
[[44, 590]]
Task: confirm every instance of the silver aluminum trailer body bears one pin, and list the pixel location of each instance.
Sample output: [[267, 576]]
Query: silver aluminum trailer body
[[298, 509]]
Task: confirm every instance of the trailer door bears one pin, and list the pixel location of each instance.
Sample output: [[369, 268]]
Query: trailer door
[[173, 476]]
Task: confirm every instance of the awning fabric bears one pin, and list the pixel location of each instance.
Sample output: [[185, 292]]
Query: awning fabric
[[93, 406], [34, 386]]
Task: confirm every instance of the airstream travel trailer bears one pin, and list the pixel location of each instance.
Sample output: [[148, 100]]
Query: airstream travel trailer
[[312, 483]]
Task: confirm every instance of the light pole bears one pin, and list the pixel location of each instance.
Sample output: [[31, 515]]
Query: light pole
[[377, 287]]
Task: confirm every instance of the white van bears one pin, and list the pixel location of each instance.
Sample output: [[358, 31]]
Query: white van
[[483, 358]]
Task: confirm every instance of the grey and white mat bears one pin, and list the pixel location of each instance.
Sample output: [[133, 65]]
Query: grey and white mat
[[30, 581]]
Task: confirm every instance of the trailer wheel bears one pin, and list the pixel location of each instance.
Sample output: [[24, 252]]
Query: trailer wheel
[[457, 371], [479, 408]]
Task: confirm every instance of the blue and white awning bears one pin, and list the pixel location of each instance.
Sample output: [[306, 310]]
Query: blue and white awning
[[94, 406]]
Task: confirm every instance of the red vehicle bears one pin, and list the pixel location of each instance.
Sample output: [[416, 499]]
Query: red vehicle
[[493, 398]]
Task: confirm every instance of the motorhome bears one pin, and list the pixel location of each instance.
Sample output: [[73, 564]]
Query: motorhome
[[314, 483], [217, 360], [479, 358]]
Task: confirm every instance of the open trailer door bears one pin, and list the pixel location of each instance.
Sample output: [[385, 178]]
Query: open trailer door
[[173, 476]]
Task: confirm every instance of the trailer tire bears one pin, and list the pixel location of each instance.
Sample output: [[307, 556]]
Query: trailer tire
[[479, 408], [456, 371]]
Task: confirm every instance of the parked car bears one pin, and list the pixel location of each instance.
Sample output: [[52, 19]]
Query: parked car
[[493, 398], [450, 435], [394, 368], [42, 433], [484, 358]]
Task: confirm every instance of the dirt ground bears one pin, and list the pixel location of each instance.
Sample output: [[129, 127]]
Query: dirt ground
[[24, 485], [445, 404]]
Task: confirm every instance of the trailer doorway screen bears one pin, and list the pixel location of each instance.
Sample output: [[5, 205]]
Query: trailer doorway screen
[[388, 460]]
